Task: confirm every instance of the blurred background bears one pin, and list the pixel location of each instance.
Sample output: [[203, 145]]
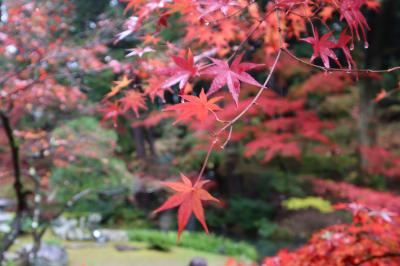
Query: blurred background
[[89, 179]]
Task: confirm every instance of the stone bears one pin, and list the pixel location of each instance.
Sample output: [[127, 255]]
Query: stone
[[5, 221], [6, 203], [122, 248], [198, 261], [48, 255], [113, 235]]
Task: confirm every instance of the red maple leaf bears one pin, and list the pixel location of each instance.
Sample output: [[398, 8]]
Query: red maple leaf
[[350, 11], [184, 69], [196, 107], [189, 198], [153, 89], [322, 48], [110, 111], [230, 75], [133, 100], [342, 44]]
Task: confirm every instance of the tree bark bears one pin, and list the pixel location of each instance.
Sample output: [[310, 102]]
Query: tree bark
[[8, 239]]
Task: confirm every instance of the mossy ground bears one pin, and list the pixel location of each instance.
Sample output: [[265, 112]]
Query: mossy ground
[[93, 254], [107, 255]]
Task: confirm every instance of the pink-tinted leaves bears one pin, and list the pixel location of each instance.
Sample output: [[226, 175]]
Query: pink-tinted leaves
[[223, 74], [322, 48], [184, 69], [342, 44], [350, 11]]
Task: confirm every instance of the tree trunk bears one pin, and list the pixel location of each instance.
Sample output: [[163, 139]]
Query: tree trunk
[[378, 56]]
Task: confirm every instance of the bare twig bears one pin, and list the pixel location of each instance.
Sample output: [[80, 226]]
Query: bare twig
[[389, 70]]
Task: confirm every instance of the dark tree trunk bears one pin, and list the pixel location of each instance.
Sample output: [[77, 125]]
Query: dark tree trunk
[[383, 45], [139, 140]]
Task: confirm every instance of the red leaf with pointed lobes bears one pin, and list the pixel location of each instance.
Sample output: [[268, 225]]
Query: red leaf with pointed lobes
[[350, 11], [342, 44], [184, 69], [195, 107], [231, 76], [110, 111], [322, 48], [133, 100], [189, 198]]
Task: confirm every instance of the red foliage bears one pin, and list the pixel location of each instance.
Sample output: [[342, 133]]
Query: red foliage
[[372, 239], [368, 197], [381, 161], [277, 125]]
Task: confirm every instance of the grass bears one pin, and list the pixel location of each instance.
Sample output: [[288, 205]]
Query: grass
[[195, 241], [106, 255], [93, 254]]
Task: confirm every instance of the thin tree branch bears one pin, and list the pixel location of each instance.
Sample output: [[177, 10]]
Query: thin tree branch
[[255, 99], [389, 70], [8, 239], [210, 149]]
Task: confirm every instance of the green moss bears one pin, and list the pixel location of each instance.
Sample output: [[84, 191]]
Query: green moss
[[320, 204], [196, 241]]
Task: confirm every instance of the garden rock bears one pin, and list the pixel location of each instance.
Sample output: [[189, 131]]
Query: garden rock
[[48, 255], [198, 261], [113, 235]]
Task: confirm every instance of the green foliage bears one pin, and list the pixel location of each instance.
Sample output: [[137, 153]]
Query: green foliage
[[87, 137], [88, 10], [99, 84], [337, 166], [320, 204], [196, 241], [242, 216], [95, 168], [87, 173], [266, 228]]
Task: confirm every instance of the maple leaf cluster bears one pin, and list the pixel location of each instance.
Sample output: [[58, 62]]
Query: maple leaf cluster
[[213, 30], [37, 58], [371, 239]]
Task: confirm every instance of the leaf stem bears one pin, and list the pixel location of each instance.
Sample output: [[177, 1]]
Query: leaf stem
[[203, 168]]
